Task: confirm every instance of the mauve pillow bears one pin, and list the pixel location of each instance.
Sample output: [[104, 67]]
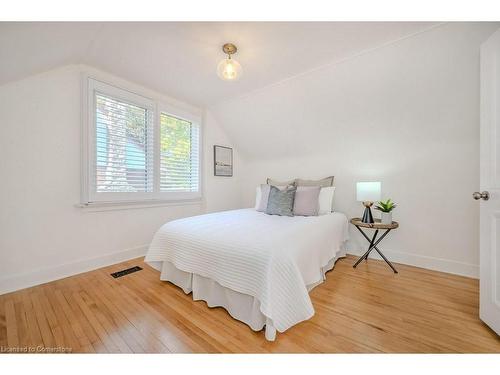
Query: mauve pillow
[[306, 201]]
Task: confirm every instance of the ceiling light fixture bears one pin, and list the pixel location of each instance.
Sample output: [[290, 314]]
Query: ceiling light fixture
[[229, 69]]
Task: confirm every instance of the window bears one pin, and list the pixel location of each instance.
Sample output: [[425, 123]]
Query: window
[[135, 154]]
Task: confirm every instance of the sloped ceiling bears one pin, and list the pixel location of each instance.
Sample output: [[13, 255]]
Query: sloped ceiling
[[421, 86], [179, 59]]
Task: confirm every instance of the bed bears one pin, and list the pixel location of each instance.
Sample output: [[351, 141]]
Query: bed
[[259, 267]]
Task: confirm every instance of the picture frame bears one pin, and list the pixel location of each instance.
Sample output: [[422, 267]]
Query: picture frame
[[223, 161]]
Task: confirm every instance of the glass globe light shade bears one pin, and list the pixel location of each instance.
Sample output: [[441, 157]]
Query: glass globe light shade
[[229, 69]]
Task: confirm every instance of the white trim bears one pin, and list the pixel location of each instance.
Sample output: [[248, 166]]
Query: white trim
[[124, 84], [424, 261], [120, 93], [42, 276], [84, 144], [128, 205]]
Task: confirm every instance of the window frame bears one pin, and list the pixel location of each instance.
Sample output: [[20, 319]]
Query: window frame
[[154, 105]]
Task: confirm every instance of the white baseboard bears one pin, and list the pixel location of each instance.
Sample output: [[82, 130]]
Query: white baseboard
[[13, 283], [422, 261], [26, 280]]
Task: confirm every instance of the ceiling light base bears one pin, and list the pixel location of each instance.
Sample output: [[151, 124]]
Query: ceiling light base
[[229, 48]]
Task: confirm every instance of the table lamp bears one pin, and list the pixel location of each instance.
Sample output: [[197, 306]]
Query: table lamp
[[368, 192]]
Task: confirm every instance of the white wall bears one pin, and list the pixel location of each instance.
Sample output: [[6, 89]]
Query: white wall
[[43, 234], [406, 114], [222, 193]]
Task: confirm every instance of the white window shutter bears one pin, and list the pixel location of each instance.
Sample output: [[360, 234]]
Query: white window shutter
[[123, 147], [179, 154]]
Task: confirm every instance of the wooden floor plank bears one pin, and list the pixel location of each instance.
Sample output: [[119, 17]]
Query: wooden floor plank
[[198, 323], [132, 319], [129, 334], [3, 323], [364, 310], [113, 342], [70, 339], [78, 331], [173, 332], [43, 324], [21, 322], [11, 323], [70, 287], [31, 321]]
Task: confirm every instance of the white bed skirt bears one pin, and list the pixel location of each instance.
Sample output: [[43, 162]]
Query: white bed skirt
[[242, 307]]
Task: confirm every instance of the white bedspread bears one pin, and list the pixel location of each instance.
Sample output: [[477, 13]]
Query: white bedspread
[[271, 258]]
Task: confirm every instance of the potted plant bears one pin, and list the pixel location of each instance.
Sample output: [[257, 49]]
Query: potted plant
[[386, 210]]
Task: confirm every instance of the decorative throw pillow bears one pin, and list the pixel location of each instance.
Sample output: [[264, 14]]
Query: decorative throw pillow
[[272, 182], [327, 181], [263, 196], [281, 201], [306, 201]]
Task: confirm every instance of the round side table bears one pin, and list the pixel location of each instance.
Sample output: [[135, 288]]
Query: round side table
[[377, 225]]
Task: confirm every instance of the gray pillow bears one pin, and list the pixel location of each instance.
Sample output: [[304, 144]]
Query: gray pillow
[[325, 182], [264, 195], [272, 182], [281, 201], [306, 201]]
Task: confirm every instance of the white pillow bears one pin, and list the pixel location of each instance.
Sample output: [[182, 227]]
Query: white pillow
[[325, 200], [258, 197]]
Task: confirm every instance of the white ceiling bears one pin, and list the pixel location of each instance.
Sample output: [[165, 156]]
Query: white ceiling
[[179, 59]]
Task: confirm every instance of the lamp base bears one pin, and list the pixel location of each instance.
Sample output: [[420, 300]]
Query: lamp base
[[367, 216]]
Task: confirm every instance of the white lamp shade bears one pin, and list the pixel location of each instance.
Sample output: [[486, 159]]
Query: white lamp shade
[[368, 191]]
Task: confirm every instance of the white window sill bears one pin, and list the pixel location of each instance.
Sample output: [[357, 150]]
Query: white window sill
[[130, 205]]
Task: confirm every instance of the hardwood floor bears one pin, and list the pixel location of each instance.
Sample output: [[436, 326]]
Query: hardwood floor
[[368, 309]]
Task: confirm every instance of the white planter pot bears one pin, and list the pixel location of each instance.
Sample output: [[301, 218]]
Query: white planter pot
[[386, 218]]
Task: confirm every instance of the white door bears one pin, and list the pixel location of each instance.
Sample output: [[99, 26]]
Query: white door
[[489, 309]]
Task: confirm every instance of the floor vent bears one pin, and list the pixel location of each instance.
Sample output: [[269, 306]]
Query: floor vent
[[126, 272]]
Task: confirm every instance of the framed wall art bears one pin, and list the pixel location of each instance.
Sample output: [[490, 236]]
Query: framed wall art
[[223, 161]]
